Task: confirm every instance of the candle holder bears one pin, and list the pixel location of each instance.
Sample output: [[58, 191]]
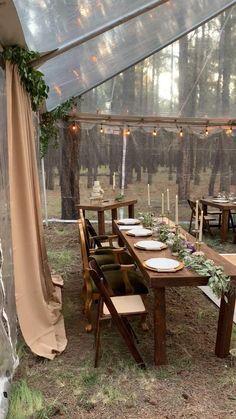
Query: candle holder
[[176, 229], [198, 245]]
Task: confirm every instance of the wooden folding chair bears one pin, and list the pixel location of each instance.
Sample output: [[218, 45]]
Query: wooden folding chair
[[206, 218], [104, 253], [117, 308], [123, 279]]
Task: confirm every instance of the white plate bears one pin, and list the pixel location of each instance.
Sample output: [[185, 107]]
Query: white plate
[[129, 227], [162, 264], [221, 201], [150, 245], [128, 221], [139, 232]]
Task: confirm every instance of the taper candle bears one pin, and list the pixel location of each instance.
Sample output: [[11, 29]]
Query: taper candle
[[162, 204], [149, 199], [196, 215], [201, 227], [168, 200], [176, 210]]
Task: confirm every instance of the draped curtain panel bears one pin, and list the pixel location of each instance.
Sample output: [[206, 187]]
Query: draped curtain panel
[[38, 301]]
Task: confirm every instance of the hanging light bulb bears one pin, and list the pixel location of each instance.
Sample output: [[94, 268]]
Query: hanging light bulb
[[74, 126], [101, 129], [128, 131], [181, 134], [154, 132], [206, 131], [230, 129]]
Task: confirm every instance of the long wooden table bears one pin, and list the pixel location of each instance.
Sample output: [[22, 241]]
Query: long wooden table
[[225, 209], [183, 278], [108, 204]]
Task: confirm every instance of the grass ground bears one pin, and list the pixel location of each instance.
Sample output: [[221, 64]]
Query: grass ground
[[194, 384]]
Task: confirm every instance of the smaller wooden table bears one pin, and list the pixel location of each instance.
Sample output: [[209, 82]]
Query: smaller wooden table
[[225, 208], [110, 204]]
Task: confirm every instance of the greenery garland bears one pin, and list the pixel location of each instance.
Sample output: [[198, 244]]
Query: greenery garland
[[31, 79], [48, 125], [218, 281], [35, 86]]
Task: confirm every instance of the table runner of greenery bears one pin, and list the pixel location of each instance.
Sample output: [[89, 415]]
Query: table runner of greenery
[[188, 254]]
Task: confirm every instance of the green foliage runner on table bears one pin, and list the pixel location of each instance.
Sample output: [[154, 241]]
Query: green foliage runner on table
[[185, 251]]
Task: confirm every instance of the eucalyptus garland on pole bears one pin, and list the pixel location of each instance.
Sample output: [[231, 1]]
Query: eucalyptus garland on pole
[[48, 125], [35, 86], [31, 79]]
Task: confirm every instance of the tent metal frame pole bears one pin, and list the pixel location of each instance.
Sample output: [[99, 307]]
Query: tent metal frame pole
[[135, 121], [93, 34], [44, 192]]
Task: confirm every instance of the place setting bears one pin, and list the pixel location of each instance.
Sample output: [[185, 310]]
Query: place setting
[[163, 265], [150, 245], [139, 232], [128, 223]]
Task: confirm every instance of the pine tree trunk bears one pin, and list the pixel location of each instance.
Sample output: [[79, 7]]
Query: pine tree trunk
[[70, 195]]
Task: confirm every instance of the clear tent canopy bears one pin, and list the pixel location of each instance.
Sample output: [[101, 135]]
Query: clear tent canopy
[[149, 59], [94, 40]]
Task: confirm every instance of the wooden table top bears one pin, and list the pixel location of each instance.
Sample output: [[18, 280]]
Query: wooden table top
[[221, 205], [106, 204], [183, 277]]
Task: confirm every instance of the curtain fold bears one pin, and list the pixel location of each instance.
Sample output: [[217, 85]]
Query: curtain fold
[[38, 300]]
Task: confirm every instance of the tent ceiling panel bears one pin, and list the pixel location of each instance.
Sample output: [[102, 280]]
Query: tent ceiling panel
[[88, 65], [50, 24]]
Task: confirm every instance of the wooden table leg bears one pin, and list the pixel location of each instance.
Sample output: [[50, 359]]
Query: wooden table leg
[[114, 216], [101, 222], [224, 225], [225, 324], [159, 327], [131, 210]]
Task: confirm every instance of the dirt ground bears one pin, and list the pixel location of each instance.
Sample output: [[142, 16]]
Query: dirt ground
[[194, 384]]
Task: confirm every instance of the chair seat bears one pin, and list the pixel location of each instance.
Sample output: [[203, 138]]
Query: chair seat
[[116, 282], [127, 304], [104, 257], [214, 212], [210, 218]]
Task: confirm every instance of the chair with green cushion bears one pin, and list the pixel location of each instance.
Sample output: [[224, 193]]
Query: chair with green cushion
[[103, 254], [123, 279]]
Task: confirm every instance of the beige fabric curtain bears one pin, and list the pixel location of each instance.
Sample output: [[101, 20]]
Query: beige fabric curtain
[[38, 301]]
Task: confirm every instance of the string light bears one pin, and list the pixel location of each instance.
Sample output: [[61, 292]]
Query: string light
[[154, 132], [181, 134], [206, 131], [74, 126], [101, 129], [128, 131]]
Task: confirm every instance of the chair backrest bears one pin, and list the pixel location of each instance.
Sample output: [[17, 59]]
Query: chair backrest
[[192, 205], [101, 283], [83, 248], [92, 233], [89, 231]]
